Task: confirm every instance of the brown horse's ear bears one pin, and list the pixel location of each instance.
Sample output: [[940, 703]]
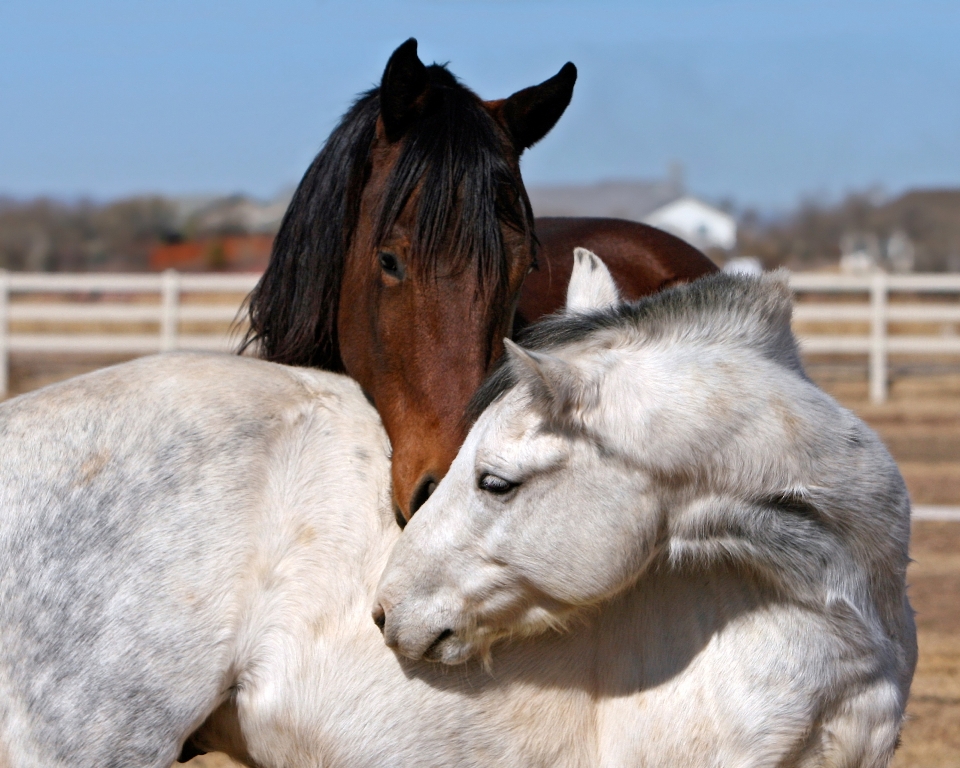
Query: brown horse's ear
[[530, 114], [404, 81]]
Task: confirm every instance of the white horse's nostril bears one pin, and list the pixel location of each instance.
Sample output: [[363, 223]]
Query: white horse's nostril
[[379, 616]]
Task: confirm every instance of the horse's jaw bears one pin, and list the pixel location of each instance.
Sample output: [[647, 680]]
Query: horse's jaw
[[434, 608], [454, 647], [418, 620], [422, 630]]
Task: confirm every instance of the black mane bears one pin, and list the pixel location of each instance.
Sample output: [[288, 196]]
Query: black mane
[[456, 155]]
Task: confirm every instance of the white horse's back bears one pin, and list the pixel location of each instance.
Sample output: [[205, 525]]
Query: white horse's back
[[189, 537], [135, 521]]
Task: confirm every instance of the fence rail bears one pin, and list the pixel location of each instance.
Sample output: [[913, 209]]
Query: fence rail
[[941, 306], [169, 303], [174, 304]]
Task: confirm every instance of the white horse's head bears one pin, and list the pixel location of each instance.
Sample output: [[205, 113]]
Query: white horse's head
[[683, 421]]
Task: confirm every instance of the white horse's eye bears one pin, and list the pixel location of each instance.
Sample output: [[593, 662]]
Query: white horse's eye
[[495, 484]]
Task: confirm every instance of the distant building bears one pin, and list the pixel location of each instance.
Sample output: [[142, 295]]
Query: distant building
[[662, 204], [901, 253], [232, 253], [701, 225], [232, 214], [743, 265], [632, 200], [221, 234], [859, 253], [863, 252]]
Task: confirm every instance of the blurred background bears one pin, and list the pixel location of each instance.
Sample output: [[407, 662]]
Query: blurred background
[[821, 128], [145, 146]]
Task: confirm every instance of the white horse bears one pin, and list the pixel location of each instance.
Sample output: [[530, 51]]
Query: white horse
[[727, 544], [189, 551]]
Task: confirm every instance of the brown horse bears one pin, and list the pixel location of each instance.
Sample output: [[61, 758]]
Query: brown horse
[[402, 256]]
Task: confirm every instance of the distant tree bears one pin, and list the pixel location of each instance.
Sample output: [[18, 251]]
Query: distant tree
[[51, 235], [810, 237]]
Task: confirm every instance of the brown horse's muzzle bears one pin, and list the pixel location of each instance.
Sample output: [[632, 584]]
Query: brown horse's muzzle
[[419, 463]]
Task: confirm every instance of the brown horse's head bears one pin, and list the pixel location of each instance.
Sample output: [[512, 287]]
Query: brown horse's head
[[401, 257]]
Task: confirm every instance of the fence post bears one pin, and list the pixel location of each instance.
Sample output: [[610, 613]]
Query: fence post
[[169, 310], [4, 335], [878, 337]]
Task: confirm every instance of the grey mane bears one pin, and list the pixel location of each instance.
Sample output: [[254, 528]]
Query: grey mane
[[720, 309]]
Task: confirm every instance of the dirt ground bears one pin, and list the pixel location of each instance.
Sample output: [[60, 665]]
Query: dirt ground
[[931, 737], [921, 425]]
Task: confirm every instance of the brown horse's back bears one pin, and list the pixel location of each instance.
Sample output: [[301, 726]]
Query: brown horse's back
[[641, 258]]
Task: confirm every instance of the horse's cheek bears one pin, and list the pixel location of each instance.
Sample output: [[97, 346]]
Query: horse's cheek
[[355, 330]]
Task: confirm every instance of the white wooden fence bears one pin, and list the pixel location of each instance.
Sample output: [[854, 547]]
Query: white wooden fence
[[927, 300], [174, 304], [112, 304]]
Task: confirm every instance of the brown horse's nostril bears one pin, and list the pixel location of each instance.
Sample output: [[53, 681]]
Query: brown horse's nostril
[[427, 486], [379, 616]]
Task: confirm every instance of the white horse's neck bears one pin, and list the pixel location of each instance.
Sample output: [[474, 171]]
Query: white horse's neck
[[749, 472]]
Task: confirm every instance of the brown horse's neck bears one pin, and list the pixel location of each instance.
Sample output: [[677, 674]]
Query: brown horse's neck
[[641, 259]]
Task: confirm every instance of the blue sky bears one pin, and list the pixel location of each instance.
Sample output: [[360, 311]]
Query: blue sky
[[763, 102]]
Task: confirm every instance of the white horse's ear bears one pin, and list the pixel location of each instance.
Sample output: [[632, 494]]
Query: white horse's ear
[[559, 387], [591, 286]]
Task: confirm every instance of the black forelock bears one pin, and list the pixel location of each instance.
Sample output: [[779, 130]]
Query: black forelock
[[454, 156], [293, 308]]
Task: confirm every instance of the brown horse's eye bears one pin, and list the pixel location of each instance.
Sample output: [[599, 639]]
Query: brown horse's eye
[[390, 264]]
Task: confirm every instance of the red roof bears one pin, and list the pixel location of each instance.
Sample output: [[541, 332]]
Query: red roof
[[232, 253]]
